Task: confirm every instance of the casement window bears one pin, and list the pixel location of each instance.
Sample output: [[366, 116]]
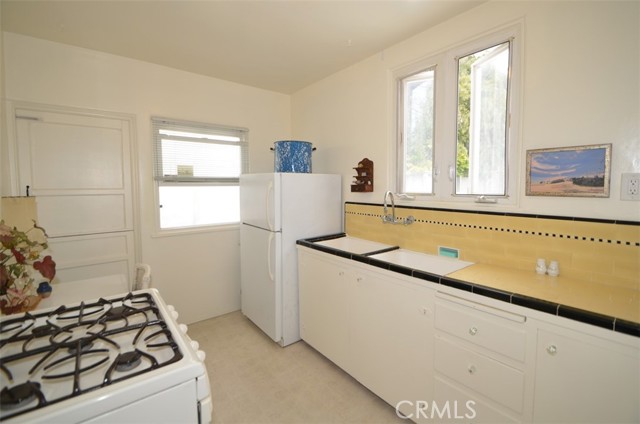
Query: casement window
[[457, 116], [197, 172]]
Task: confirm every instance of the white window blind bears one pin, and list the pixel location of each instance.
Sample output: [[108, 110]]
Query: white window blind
[[197, 171], [196, 152]]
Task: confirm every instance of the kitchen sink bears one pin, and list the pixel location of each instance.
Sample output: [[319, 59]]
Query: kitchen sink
[[433, 264], [354, 245]]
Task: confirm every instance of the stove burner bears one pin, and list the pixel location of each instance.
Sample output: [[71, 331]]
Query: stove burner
[[77, 336], [81, 345], [119, 312], [128, 360], [42, 330], [19, 395]]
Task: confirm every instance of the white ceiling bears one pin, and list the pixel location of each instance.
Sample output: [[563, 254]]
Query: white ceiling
[[276, 45]]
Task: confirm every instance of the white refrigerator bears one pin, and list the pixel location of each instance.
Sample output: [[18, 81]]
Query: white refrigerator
[[277, 209]]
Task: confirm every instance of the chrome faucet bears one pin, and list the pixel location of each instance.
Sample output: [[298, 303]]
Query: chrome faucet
[[391, 218], [386, 217]]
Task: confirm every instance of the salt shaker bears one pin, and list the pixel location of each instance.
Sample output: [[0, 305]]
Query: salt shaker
[[554, 269], [541, 267]]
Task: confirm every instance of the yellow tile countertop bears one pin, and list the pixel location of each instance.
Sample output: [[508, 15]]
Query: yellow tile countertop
[[616, 302], [612, 307]]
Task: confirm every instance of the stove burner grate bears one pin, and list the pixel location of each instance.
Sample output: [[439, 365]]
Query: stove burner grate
[[22, 394], [80, 348]]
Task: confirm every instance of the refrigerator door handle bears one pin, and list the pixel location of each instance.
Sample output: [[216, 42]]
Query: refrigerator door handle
[[272, 277], [269, 196]]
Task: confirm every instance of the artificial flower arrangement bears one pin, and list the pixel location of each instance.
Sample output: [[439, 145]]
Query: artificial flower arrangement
[[21, 288]]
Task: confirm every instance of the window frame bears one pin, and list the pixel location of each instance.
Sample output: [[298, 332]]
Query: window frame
[[400, 136], [160, 123], [445, 120]]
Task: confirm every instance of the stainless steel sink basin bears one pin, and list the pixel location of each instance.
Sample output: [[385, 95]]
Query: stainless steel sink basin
[[433, 264], [354, 245]]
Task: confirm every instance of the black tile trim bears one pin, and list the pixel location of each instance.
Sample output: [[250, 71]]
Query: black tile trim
[[343, 254], [493, 293], [581, 315], [426, 276], [456, 284], [360, 258], [627, 327], [376, 252], [534, 303], [401, 269], [378, 263], [587, 317], [325, 238]]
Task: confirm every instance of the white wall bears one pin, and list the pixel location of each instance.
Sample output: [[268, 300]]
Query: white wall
[[198, 273], [581, 86], [3, 126]]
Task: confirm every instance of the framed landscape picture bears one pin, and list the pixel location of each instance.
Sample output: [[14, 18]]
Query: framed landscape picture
[[578, 171]]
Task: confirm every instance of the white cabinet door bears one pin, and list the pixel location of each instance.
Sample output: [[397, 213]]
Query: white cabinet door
[[392, 338], [78, 165], [581, 378], [324, 307]]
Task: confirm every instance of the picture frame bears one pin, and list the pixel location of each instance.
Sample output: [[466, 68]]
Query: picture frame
[[575, 171]]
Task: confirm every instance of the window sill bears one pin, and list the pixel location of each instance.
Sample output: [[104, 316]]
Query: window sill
[[196, 230]]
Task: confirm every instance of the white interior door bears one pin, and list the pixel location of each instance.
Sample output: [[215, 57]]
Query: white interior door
[[78, 166]]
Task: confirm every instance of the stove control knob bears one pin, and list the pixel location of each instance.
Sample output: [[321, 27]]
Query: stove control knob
[[201, 355], [195, 345], [173, 312], [183, 328]]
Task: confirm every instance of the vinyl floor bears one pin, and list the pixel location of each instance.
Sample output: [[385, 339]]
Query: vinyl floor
[[254, 380]]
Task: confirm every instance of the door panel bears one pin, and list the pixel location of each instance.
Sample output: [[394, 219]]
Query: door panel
[[78, 166], [258, 201], [260, 291], [92, 157], [65, 215]]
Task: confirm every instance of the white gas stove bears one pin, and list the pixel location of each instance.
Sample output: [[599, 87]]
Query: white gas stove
[[119, 359]]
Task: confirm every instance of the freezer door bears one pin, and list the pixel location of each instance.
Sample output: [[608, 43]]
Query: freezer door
[[259, 205], [260, 279]]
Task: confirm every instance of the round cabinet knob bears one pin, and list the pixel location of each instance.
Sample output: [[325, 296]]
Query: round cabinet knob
[[359, 279], [341, 273], [552, 349], [471, 369], [473, 331]]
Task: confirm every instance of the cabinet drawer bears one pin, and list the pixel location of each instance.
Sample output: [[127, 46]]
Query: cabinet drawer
[[501, 331], [493, 379], [465, 404]]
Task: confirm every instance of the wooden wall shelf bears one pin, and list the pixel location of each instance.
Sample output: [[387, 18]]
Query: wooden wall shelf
[[364, 180]]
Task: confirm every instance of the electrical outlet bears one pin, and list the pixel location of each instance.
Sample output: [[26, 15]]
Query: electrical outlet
[[630, 186]]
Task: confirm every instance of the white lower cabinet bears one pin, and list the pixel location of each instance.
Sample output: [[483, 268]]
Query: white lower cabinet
[[324, 307], [582, 378], [486, 376], [391, 339], [480, 351], [376, 327], [442, 355]]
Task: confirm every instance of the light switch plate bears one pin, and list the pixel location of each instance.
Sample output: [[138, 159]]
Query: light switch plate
[[630, 186]]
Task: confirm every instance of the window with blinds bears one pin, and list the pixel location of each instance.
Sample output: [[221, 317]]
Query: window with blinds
[[197, 171]]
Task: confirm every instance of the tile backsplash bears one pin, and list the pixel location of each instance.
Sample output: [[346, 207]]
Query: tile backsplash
[[603, 251]]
